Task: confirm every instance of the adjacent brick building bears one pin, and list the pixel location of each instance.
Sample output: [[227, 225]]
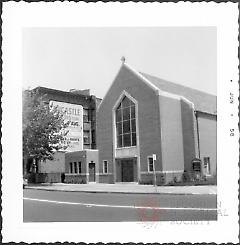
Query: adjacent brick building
[[147, 125], [81, 98], [73, 164]]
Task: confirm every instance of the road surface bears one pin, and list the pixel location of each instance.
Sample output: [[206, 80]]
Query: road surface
[[58, 206]]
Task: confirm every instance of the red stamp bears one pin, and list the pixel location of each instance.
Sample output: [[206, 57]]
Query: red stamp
[[149, 211]]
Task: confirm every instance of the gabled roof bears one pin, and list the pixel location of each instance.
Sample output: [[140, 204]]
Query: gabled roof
[[202, 101]]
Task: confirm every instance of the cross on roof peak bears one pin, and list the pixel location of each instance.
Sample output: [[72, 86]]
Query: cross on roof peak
[[123, 59]]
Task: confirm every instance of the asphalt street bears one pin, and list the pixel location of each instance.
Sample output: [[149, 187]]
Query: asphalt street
[[59, 206]]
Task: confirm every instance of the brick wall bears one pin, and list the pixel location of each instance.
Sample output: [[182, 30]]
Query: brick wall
[[148, 119], [75, 179], [57, 165], [172, 136], [187, 115], [48, 177], [77, 156], [207, 125]]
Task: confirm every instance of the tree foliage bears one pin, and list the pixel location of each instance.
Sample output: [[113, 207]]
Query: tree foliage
[[43, 127]]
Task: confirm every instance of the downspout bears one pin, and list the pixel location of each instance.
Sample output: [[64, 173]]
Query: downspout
[[199, 155]]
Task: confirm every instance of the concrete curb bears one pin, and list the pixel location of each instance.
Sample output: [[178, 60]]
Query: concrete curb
[[117, 192]]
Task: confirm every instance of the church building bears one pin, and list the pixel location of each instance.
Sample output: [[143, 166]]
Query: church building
[[151, 129]]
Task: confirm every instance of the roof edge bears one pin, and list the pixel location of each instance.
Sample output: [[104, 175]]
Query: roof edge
[[100, 104], [144, 79]]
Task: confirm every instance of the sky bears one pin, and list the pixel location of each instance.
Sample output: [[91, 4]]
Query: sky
[[89, 57]]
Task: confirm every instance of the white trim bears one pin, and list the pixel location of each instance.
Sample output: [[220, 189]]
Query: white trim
[[125, 93], [82, 129], [148, 157], [125, 147], [175, 96], [97, 109], [208, 169], [188, 101], [138, 142], [87, 169], [147, 82], [157, 89], [103, 162], [73, 167], [108, 174], [114, 145], [169, 95], [82, 174], [172, 171], [144, 79], [163, 172], [90, 149], [119, 206], [126, 183]]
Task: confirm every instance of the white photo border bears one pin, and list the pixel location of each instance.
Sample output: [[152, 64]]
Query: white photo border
[[17, 15]]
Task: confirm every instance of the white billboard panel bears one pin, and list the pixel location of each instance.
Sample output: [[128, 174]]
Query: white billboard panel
[[74, 115]]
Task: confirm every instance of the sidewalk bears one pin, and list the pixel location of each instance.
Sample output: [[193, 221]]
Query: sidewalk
[[125, 188]]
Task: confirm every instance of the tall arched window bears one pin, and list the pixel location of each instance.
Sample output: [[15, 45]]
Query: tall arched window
[[126, 123]]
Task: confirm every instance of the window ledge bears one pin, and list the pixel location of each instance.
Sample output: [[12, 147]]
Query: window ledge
[[75, 174], [127, 147]]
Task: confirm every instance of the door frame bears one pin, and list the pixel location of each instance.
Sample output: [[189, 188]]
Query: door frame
[[94, 175], [132, 167]]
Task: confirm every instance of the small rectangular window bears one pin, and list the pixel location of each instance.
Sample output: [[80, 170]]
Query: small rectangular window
[[75, 168], [206, 164], [79, 167], [93, 137], [150, 164], [85, 115], [86, 137], [70, 167], [196, 165], [105, 166]]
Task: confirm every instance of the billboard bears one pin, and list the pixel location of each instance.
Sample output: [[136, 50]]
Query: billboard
[[74, 115]]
